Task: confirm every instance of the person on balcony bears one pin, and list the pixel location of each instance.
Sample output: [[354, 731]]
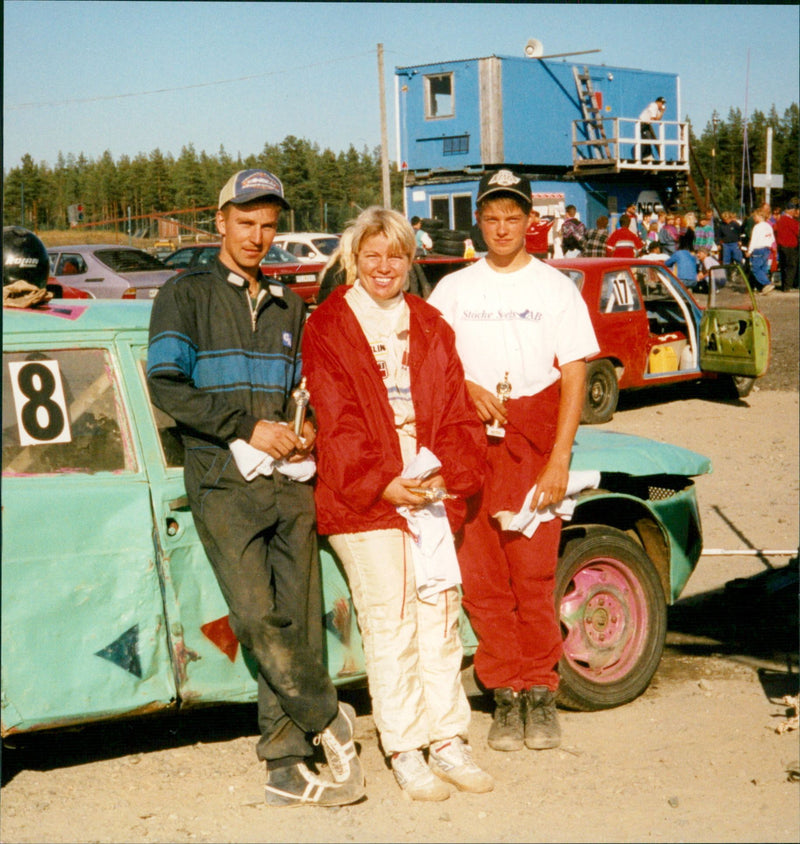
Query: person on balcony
[[652, 114]]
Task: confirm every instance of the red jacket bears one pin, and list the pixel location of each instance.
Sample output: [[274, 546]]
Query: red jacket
[[623, 243], [358, 452]]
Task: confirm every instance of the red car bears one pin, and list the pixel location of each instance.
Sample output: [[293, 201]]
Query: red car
[[277, 263], [652, 331]]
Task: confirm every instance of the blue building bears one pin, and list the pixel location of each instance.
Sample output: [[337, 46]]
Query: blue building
[[572, 128]]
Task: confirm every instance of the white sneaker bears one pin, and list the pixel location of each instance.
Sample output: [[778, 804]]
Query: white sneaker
[[451, 761], [415, 777]]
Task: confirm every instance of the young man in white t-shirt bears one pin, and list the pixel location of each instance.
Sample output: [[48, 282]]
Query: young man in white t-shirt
[[521, 328]]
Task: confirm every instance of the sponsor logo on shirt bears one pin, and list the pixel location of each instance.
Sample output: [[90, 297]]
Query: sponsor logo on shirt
[[497, 316]]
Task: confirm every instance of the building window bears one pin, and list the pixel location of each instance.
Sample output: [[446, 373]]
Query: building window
[[462, 211], [439, 96], [455, 145], [440, 209]]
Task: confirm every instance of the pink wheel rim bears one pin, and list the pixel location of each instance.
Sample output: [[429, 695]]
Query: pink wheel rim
[[605, 616]]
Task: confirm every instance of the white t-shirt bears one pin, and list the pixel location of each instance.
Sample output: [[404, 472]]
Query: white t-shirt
[[520, 323], [762, 237], [651, 112]]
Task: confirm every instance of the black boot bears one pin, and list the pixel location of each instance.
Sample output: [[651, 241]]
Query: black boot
[[542, 730], [507, 730]]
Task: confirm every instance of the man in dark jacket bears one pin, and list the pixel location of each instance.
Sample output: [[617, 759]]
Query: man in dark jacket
[[223, 360]]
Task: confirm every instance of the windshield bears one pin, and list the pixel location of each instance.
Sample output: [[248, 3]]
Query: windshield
[[128, 260], [326, 245]]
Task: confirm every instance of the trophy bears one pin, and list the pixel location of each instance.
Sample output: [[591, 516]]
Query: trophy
[[503, 393], [301, 397]]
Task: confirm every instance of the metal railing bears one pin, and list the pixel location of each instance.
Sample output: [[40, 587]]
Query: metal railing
[[619, 146]]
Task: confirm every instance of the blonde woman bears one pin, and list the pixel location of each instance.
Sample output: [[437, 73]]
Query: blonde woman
[[388, 388]]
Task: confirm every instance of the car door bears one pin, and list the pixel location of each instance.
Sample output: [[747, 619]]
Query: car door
[[83, 627], [734, 335], [619, 320], [210, 665]]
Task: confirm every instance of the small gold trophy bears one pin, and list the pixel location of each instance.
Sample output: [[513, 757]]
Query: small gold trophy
[[503, 393], [301, 397]]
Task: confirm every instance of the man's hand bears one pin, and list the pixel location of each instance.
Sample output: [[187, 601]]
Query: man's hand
[[488, 406], [309, 438], [277, 440]]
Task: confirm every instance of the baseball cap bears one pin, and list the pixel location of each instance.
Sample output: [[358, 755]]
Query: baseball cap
[[249, 185], [504, 181]]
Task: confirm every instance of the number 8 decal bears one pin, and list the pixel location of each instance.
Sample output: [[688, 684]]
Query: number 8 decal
[[39, 402]]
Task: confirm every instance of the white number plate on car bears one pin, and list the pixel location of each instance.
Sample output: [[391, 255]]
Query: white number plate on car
[[305, 277]]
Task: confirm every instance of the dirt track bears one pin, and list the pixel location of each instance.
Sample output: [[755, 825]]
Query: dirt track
[[696, 758]]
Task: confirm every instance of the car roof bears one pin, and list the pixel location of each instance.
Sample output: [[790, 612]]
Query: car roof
[[91, 247], [76, 318], [305, 234]]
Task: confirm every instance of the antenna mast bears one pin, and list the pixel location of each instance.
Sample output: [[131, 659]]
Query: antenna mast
[[745, 146]]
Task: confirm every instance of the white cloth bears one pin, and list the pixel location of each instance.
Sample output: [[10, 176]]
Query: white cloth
[[251, 461], [433, 552], [527, 520], [515, 322]]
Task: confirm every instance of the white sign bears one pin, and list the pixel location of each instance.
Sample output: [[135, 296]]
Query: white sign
[[767, 180], [39, 402]]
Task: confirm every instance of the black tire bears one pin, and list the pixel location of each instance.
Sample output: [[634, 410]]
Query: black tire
[[602, 392], [431, 224], [613, 619], [449, 247], [451, 234], [733, 386]]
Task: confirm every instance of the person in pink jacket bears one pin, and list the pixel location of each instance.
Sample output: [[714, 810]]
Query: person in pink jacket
[[387, 389]]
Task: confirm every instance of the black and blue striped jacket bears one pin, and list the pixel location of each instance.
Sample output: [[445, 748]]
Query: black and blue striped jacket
[[216, 366]]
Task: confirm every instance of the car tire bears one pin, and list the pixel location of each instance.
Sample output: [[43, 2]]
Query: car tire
[[449, 247], [602, 392], [733, 386], [431, 224], [613, 619]]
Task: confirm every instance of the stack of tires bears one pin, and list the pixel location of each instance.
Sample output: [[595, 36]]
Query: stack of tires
[[445, 241]]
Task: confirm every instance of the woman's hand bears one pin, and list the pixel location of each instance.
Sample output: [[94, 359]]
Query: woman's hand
[[399, 491]]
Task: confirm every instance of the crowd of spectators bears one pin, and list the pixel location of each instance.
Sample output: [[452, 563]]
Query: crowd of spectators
[[764, 243]]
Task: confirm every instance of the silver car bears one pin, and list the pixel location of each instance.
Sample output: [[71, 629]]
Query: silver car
[[109, 270]]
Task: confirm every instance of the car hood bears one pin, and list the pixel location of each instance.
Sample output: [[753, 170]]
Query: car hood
[[608, 451]]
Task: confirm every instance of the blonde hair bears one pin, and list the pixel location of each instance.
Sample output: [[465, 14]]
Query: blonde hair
[[376, 220]]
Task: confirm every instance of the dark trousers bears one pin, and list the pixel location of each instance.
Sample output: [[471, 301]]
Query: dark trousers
[[787, 259], [647, 132], [261, 540]]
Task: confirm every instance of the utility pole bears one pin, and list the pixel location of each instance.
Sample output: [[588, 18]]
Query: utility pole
[[387, 191]]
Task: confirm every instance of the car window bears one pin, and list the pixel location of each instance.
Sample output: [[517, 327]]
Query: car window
[[618, 293], [128, 260], [172, 452], [664, 313], [207, 256], [179, 260], [70, 263], [278, 255], [326, 245], [62, 413], [576, 276]]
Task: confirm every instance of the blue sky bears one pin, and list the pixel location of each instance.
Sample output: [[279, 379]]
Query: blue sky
[[132, 76]]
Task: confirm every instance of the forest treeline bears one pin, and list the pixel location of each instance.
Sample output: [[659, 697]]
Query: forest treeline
[[327, 189]]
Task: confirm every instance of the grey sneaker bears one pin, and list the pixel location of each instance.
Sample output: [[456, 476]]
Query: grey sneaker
[[416, 778], [542, 730], [295, 785], [768, 288], [340, 750], [507, 730], [451, 761]]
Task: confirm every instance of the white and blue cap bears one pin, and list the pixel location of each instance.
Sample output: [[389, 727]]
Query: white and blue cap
[[250, 185]]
